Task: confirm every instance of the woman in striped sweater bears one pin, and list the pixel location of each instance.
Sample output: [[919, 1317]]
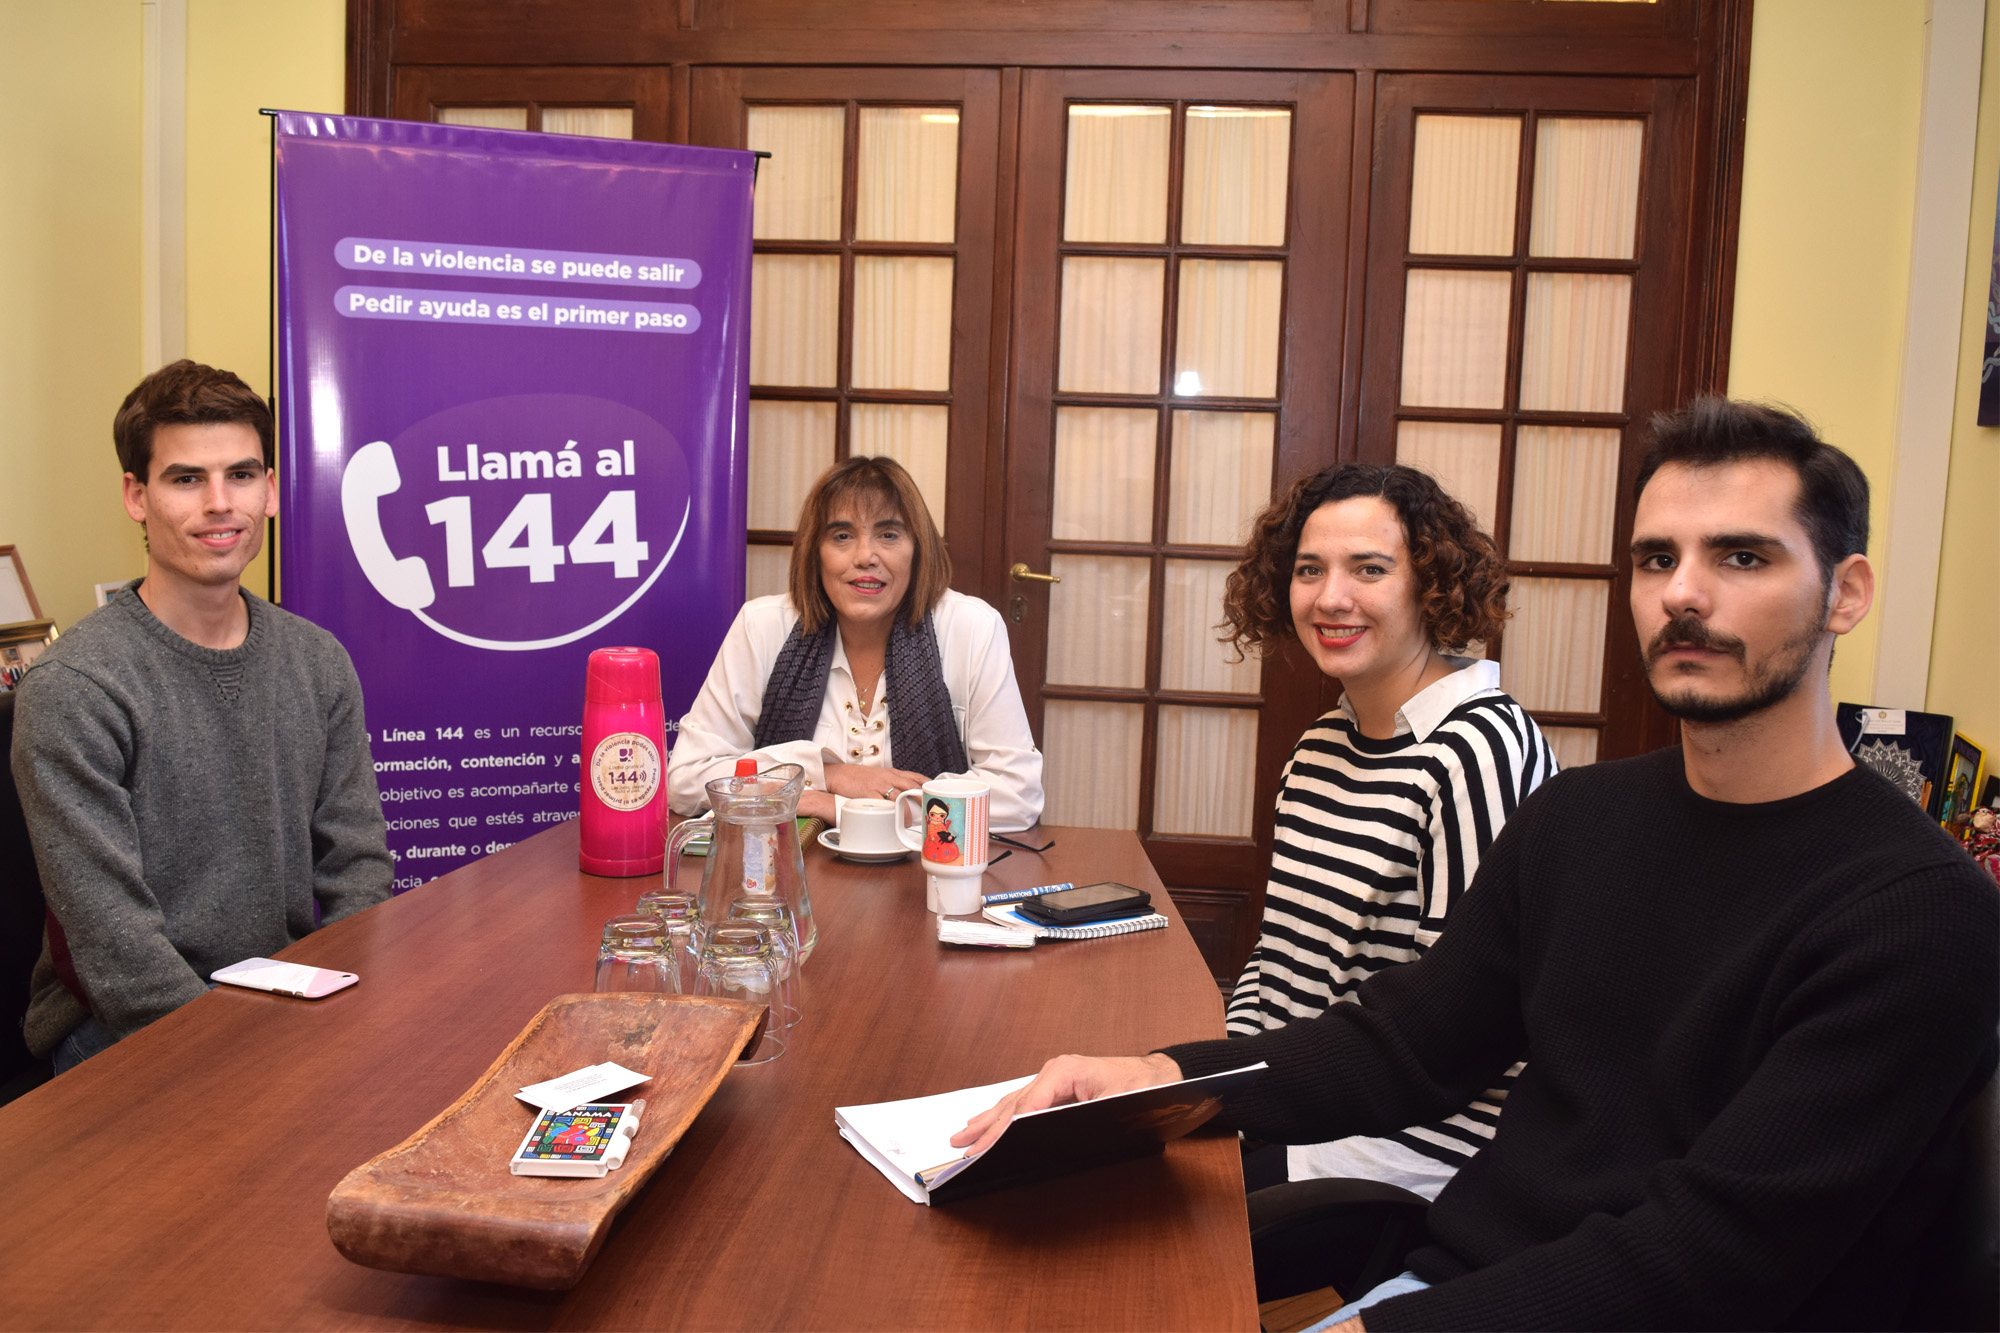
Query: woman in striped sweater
[[1391, 798]]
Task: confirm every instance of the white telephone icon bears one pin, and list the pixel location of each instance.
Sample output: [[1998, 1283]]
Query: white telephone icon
[[370, 475]]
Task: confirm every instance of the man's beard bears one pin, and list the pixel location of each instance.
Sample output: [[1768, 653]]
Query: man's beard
[[1772, 681]]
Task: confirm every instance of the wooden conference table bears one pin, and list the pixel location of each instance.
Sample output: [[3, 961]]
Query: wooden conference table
[[180, 1179]]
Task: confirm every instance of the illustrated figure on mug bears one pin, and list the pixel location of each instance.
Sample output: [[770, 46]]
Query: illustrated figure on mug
[[940, 843]]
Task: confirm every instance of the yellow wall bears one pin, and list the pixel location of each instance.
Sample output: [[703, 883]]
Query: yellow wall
[[70, 95], [242, 55], [1823, 263], [69, 319], [1965, 644]]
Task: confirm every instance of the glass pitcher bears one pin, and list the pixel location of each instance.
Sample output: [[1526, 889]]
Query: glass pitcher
[[754, 848]]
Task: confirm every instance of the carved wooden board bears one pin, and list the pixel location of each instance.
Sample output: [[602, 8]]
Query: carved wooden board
[[443, 1201]]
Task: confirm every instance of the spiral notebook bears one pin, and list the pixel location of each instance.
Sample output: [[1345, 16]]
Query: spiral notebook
[[1009, 914]]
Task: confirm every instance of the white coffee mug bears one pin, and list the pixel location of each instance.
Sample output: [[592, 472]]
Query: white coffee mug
[[947, 825], [868, 826]]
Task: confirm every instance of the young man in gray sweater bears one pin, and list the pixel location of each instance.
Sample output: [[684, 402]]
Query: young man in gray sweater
[[193, 762]]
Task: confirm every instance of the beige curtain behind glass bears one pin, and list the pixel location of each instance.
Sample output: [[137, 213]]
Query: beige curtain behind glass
[[1097, 620], [1090, 770], [791, 444], [1115, 179], [485, 117], [1455, 338], [1553, 654], [1111, 324], [902, 322], [1227, 343], [594, 122], [1104, 474], [1586, 203], [1235, 166], [766, 571], [914, 435], [1464, 456], [906, 185], [1573, 342], [794, 319], [1205, 779], [1191, 609], [1221, 476], [798, 186], [1464, 178], [1565, 494]]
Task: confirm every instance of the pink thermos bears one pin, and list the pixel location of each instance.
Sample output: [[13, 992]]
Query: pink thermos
[[624, 780]]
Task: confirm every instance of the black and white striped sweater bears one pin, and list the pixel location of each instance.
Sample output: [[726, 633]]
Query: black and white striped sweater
[[1375, 841]]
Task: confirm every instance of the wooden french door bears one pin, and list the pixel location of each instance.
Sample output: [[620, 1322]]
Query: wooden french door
[[1177, 314], [871, 285], [1525, 287]]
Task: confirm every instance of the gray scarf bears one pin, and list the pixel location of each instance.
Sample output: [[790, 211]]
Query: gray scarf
[[926, 736]]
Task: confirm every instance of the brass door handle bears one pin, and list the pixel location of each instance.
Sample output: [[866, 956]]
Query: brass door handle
[[1020, 573]]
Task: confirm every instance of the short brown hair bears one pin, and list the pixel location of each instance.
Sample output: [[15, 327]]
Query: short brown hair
[[883, 482], [1461, 578], [185, 393], [1712, 431]]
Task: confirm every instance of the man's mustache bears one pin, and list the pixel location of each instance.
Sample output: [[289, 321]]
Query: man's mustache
[[1692, 632]]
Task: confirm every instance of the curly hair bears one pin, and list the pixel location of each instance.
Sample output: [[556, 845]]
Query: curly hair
[[1460, 573]]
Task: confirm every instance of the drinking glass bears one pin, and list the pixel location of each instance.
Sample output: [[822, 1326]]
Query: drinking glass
[[736, 964], [679, 918], [780, 926], [633, 956]]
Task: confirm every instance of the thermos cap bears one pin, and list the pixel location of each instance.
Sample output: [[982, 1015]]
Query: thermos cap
[[622, 676]]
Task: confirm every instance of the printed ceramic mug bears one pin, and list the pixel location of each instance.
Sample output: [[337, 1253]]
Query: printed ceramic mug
[[945, 820]]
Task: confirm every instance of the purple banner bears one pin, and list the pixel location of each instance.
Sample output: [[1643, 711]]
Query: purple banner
[[485, 477]]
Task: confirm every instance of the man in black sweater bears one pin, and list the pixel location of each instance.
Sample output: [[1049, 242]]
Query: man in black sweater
[[1755, 986]]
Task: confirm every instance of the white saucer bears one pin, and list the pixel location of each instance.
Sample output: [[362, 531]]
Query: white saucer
[[830, 839]]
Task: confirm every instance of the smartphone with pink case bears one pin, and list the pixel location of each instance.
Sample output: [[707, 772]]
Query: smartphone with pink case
[[295, 979]]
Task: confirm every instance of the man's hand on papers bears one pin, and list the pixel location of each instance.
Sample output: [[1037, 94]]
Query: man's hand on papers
[[1067, 1078]]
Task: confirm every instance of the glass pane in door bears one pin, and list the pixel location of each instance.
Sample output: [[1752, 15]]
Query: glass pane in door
[[1227, 343], [1115, 188], [594, 122], [1222, 476], [1462, 185], [1111, 314], [485, 117], [914, 434], [902, 322], [1205, 780], [1234, 175], [798, 186], [1090, 776], [1104, 474], [907, 186], [1097, 620], [791, 444], [1464, 456]]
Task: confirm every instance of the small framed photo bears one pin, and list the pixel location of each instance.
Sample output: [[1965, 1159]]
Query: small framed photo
[[17, 595], [1910, 749], [1961, 783], [20, 645]]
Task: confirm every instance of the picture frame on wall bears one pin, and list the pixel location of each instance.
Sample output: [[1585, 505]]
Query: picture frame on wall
[[17, 595], [20, 645], [1961, 784], [1908, 748]]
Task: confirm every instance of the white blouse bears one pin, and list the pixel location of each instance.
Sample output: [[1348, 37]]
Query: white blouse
[[978, 674]]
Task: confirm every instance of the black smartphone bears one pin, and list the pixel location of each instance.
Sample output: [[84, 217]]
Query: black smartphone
[[1091, 902]]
